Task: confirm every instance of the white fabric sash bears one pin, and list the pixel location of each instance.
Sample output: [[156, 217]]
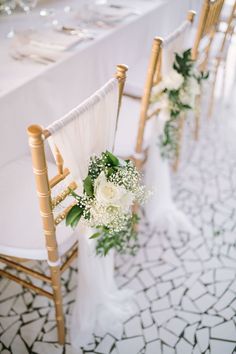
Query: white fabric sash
[[90, 129], [174, 36], [86, 130], [175, 42], [161, 210]]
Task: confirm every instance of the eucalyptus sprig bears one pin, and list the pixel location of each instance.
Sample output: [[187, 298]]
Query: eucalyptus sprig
[[123, 241]]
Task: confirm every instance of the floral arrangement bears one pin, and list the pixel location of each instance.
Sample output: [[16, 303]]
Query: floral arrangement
[[109, 192], [176, 93]]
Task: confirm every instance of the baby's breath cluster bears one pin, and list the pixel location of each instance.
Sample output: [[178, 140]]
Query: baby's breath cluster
[[110, 190], [130, 179]]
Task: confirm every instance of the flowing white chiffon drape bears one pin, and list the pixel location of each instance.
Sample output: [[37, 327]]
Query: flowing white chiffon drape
[[161, 210], [90, 129]]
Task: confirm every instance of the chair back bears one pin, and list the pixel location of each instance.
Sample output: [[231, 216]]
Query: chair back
[[73, 138], [206, 29], [162, 56], [229, 28]]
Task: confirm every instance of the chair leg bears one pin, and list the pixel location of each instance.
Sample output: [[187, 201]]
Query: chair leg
[[179, 142], [211, 103], [175, 166], [139, 164], [224, 79], [197, 118], [56, 285]]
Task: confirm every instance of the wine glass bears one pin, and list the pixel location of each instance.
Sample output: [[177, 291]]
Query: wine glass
[[27, 5], [49, 17], [85, 10], [7, 7], [101, 2]]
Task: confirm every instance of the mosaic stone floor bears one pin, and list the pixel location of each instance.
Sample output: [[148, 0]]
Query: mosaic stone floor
[[185, 287]]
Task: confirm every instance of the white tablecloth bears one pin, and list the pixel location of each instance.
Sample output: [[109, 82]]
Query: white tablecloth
[[32, 93]]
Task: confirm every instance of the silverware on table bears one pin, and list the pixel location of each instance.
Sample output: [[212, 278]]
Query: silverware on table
[[35, 57]]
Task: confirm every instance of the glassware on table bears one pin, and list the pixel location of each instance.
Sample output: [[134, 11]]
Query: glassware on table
[[85, 11], [7, 7], [89, 13], [49, 16], [101, 2], [27, 5]]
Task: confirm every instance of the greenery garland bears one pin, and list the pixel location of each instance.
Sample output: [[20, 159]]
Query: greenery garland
[[178, 91]]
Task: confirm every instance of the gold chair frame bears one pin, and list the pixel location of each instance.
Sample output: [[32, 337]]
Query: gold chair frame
[[227, 35], [37, 137], [153, 78], [207, 26]]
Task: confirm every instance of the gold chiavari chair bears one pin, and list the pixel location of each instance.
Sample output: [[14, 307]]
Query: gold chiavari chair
[[225, 31], [207, 27], [147, 111], [205, 34], [59, 246]]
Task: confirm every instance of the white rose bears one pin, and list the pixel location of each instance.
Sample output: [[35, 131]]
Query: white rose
[[157, 89], [173, 80], [193, 86], [188, 95], [164, 102], [109, 194]]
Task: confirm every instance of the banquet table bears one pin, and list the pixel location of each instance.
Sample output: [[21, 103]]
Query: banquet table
[[33, 93]]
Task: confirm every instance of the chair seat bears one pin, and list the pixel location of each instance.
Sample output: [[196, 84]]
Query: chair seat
[[136, 78], [127, 129], [21, 232]]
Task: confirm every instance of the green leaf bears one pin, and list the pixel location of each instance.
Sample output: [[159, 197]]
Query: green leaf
[[186, 106], [96, 235], [75, 195], [178, 58], [110, 171], [205, 75], [187, 54], [114, 161], [88, 186], [74, 215], [75, 221], [176, 67]]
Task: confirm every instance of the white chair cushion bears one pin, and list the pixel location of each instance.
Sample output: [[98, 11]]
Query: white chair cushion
[[21, 232], [136, 78], [127, 130]]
